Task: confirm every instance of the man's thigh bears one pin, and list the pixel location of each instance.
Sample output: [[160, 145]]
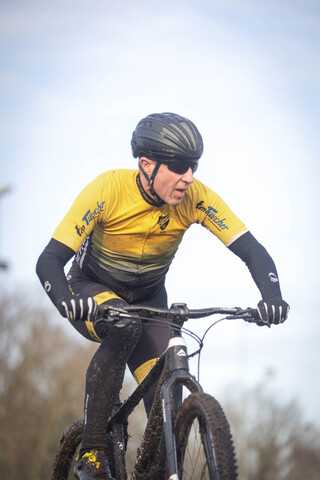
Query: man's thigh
[[80, 284]]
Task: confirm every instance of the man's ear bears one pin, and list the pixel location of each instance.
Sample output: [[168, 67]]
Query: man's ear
[[147, 165]]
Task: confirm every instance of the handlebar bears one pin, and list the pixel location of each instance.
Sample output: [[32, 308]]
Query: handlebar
[[178, 313]]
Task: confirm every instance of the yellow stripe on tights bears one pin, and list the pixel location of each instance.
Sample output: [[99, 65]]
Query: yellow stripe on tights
[[145, 368], [104, 297]]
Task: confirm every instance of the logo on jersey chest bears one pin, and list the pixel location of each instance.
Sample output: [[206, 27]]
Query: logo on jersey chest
[[163, 221]]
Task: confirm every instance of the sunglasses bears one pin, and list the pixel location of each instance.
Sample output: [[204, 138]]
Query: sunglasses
[[181, 167]]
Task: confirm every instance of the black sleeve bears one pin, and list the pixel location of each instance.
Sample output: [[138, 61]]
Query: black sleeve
[[260, 264], [50, 270]]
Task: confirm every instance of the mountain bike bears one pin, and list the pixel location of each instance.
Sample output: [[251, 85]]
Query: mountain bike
[[183, 439]]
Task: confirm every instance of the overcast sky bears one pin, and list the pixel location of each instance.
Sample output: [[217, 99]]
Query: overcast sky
[[76, 76]]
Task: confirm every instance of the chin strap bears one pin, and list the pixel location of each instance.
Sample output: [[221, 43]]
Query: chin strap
[[151, 180]]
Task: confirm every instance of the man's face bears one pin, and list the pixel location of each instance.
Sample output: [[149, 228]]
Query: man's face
[[170, 186]]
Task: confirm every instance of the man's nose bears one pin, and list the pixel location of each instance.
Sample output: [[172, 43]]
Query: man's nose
[[188, 176]]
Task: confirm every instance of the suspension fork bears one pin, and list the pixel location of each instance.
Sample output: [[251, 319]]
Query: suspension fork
[[178, 363]]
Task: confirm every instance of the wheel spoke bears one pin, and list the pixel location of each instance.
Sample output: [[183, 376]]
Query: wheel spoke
[[195, 465]]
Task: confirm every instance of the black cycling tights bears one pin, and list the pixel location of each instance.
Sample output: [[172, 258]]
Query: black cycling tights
[[104, 380]]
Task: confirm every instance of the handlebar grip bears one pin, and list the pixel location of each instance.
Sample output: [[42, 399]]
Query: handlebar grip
[[252, 315], [255, 314], [255, 318]]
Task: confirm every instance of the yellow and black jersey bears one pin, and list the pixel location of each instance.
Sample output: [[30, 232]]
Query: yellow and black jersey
[[120, 229]]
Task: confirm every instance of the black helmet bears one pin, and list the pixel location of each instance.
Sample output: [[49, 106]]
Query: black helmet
[[164, 137]]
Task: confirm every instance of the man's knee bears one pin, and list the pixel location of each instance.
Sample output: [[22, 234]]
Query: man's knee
[[121, 331]]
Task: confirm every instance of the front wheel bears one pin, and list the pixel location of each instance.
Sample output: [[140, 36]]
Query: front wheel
[[203, 440], [68, 446]]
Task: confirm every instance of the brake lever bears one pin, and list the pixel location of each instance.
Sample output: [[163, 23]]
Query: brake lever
[[118, 317], [250, 315]]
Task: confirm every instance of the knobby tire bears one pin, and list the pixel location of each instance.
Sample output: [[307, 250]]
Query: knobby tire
[[204, 444], [68, 447]]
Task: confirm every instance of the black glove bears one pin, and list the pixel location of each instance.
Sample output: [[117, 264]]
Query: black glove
[[273, 310], [78, 308]]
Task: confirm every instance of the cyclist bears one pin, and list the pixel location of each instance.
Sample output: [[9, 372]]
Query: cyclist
[[123, 231]]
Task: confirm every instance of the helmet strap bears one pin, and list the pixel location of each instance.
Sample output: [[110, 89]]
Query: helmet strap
[[150, 180], [153, 176]]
